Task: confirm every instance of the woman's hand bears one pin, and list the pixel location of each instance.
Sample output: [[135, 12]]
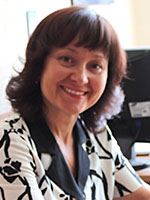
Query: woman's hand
[[143, 193]]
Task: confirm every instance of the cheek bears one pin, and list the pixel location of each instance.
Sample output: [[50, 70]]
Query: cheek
[[51, 78], [99, 85], [44, 85], [46, 82]]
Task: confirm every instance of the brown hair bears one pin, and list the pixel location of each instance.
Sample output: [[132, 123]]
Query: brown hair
[[57, 30]]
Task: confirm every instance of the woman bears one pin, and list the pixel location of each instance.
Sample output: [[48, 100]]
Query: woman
[[56, 145]]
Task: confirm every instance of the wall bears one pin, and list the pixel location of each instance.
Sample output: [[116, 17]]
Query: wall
[[119, 15], [141, 22], [130, 19], [14, 36]]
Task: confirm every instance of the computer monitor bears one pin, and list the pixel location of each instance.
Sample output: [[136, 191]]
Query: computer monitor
[[133, 123]]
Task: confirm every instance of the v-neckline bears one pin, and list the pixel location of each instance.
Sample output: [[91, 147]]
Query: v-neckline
[[59, 171]]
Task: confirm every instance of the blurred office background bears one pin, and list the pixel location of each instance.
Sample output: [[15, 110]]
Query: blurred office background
[[18, 19]]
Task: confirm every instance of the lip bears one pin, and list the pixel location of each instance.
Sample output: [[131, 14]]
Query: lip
[[74, 91]]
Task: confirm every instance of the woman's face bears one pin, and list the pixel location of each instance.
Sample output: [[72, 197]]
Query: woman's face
[[73, 79]]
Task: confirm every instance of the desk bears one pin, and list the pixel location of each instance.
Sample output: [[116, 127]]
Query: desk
[[144, 173]]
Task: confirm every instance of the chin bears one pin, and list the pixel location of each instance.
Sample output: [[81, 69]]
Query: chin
[[74, 111]]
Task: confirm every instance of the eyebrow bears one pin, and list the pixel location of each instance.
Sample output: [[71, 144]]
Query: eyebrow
[[71, 49], [99, 55]]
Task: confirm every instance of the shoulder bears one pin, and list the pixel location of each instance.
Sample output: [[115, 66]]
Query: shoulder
[[14, 130], [105, 143], [13, 122], [16, 143], [19, 163], [104, 136]]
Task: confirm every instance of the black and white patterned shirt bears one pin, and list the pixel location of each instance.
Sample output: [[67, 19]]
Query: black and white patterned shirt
[[32, 166]]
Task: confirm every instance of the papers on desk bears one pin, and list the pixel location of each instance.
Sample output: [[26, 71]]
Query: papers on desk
[[142, 148], [139, 109]]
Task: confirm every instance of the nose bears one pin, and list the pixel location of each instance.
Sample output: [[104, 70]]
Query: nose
[[80, 75]]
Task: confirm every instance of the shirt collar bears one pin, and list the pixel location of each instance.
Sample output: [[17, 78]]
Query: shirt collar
[[58, 170]]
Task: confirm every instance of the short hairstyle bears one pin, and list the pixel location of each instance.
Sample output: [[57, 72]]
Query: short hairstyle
[[57, 30]]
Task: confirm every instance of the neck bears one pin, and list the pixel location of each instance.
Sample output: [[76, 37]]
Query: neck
[[61, 124]]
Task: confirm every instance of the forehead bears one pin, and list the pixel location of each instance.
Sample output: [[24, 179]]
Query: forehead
[[74, 48]]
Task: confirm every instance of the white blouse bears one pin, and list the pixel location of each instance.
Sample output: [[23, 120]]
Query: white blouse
[[32, 166]]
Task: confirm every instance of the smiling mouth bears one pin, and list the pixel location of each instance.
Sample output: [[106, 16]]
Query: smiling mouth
[[75, 92]]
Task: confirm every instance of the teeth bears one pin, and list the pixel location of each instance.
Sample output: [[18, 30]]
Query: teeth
[[73, 91]]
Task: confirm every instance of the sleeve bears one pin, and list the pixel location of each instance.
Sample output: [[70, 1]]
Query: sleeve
[[126, 179], [18, 174]]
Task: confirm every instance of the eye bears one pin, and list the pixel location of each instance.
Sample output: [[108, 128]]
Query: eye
[[97, 66], [66, 59]]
